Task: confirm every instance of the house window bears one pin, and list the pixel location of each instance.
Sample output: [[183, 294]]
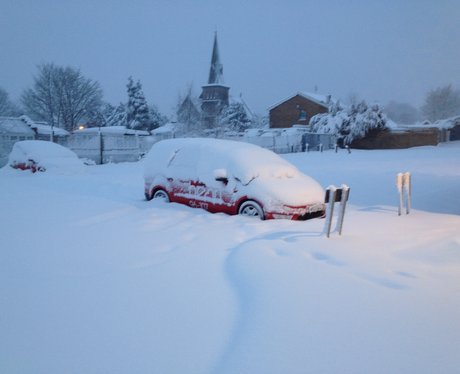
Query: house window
[[302, 115]]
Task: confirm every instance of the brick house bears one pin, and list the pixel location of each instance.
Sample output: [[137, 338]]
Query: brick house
[[298, 109]]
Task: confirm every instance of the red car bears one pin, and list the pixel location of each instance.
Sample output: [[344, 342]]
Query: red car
[[230, 177], [39, 155]]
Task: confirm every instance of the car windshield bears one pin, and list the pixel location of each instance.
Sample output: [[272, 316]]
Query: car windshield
[[248, 164]]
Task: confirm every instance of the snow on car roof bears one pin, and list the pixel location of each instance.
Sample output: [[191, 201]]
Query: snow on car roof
[[42, 148], [244, 160]]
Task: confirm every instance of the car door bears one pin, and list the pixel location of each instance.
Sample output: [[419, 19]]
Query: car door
[[213, 187], [182, 175]]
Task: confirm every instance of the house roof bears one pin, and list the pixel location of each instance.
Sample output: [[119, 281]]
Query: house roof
[[42, 128], [447, 123], [45, 129], [9, 125], [167, 128], [320, 99]]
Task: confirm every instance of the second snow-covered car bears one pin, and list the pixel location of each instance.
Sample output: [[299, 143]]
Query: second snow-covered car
[[41, 155], [230, 177]]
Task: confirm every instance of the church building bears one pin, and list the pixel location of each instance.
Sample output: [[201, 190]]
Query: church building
[[214, 96]]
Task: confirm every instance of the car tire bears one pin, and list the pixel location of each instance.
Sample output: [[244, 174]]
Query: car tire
[[251, 209], [161, 195]]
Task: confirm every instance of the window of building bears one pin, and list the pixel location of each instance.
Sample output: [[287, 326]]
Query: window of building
[[302, 115]]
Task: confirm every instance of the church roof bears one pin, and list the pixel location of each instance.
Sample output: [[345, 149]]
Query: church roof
[[216, 72]]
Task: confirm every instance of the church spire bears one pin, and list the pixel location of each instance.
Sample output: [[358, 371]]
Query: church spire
[[216, 72]]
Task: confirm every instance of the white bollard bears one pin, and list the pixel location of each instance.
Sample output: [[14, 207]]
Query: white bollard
[[408, 189], [330, 209], [403, 184], [399, 186], [343, 203]]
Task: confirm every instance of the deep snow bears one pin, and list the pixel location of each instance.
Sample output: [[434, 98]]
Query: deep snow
[[94, 279]]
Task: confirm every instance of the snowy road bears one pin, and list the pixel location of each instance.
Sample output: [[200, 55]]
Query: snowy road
[[95, 279]]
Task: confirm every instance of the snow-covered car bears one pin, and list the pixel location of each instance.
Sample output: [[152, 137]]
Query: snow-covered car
[[230, 177], [39, 155]]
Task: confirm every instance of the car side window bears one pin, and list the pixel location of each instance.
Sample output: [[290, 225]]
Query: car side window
[[184, 163]]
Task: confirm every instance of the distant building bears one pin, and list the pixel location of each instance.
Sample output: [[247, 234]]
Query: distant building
[[43, 130], [189, 114], [214, 95], [298, 109], [12, 130]]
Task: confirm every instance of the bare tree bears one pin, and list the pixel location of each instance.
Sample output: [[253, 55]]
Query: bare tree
[[443, 102], [79, 96], [61, 96], [7, 107], [352, 99], [401, 112]]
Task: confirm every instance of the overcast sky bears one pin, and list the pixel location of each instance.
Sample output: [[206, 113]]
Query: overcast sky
[[379, 50]]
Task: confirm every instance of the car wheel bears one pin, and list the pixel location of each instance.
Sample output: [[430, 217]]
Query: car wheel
[[161, 195], [251, 209]]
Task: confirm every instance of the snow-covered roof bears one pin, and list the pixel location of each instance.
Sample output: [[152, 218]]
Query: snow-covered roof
[[112, 130], [320, 99], [42, 127], [45, 129], [169, 127], [447, 123], [14, 125]]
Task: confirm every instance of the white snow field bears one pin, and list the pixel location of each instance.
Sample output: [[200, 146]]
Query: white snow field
[[94, 279]]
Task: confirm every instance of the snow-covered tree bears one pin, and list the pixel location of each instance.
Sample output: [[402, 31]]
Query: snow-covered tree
[[441, 103], [7, 107], [156, 118], [351, 123], [114, 115], [61, 96], [259, 121], [138, 112], [235, 117]]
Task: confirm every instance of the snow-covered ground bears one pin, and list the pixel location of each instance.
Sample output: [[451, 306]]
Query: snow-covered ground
[[94, 279]]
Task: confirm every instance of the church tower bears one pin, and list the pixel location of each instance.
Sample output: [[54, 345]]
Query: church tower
[[214, 95]]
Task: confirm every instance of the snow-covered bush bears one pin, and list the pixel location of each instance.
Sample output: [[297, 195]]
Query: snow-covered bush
[[351, 123]]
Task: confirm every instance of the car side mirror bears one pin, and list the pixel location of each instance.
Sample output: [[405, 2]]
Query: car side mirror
[[220, 175]]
